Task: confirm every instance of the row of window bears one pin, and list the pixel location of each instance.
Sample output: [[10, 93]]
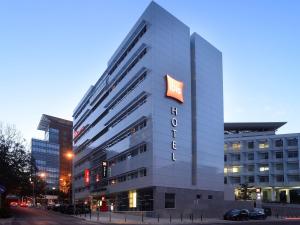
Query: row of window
[[262, 144], [128, 154], [128, 176], [263, 179], [131, 85], [48, 151], [261, 168], [250, 156], [130, 130], [133, 61]]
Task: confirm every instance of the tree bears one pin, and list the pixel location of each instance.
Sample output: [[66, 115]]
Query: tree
[[15, 162]]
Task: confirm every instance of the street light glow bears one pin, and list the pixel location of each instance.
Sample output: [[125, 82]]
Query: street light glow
[[70, 155], [42, 175]]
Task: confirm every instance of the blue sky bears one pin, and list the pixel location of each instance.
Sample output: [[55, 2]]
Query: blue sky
[[52, 51]]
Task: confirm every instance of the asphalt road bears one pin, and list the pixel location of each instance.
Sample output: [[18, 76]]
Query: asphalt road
[[30, 216]]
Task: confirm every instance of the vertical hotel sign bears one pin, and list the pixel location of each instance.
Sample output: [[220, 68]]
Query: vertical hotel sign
[[87, 176], [175, 91]]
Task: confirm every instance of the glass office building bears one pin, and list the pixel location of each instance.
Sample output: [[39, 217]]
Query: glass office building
[[148, 135], [51, 153]]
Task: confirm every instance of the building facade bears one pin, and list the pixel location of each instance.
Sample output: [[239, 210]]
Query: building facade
[[267, 162], [149, 134], [53, 155]]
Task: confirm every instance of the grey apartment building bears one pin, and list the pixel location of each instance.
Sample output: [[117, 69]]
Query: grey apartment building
[[148, 136], [266, 161]]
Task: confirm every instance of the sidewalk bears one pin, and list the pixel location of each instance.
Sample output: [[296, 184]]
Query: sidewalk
[[121, 218]]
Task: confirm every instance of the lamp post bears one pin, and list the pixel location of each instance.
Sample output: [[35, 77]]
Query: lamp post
[[43, 176], [33, 191], [70, 156]]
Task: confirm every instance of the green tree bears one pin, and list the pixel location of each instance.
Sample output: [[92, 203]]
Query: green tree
[[15, 162]]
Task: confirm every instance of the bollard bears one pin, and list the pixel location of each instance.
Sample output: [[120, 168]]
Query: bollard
[[170, 219], [158, 218], [90, 214], [98, 214], [201, 217], [125, 218], [192, 217], [181, 216], [142, 217], [110, 217], [84, 213]]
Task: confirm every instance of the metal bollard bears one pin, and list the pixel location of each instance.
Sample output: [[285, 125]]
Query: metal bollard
[[110, 217], [90, 214], [181, 216], [142, 217], [125, 218], [192, 218], [170, 219], [158, 218], [84, 213], [201, 217], [98, 214]]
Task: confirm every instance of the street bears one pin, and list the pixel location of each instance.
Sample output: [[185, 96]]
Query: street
[[31, 216]]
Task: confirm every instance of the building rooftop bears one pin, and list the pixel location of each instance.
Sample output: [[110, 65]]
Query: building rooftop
[[242, 127], [46, 120]]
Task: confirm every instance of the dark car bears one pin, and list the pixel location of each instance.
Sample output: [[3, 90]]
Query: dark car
[[267, 211], [237, 214], [257, 214]]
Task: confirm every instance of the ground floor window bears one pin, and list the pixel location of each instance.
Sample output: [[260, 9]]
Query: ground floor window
[[169, 200]]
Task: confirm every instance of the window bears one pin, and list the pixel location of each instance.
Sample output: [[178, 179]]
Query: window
[[263, 179], [132, 199], [225, 180], [235, 169], [198, 196], [236, 146], [209, 197], [292, 154], [279, 166], [263, 168], [280, 178], [279, 155], [278, 143], [264, 156], [292, 142], [236, 157], [263, 145], [251, 179], [225, 147], [143, 172], [225, 170], [250, 145], [250, 168], [169, 200], [225, 158], [250, 156]]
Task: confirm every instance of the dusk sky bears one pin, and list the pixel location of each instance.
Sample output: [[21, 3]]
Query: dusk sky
[[52, 51]]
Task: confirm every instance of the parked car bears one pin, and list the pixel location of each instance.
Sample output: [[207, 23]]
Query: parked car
[[14, 204], [237, 214], [267, 211], [257, 214], [23, 204]]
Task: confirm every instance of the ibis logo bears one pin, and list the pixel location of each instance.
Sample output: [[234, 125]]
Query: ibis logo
[[174, 88]]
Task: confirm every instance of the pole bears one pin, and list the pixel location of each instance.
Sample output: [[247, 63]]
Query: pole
[[33, 194]]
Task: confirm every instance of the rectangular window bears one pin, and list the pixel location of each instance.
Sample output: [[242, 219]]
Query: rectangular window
[[279, 166], [250, 156], [250, 145], [278, 143], [250, 168], [225, 158], [169, 200], [279, 155], [263, 168], [263, 179], [292, 154], [251, 179], [209, 197], [132, 199], [292, 142], [263, 145], [236, 146]]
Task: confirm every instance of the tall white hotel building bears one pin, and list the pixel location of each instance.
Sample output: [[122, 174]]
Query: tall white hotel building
[[149, 135]]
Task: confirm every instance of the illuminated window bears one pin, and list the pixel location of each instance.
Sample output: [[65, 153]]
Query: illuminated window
[[263, 168], [225, 147], [236, 146], [235, 169], [225, 170], [132, 199], [263, 145]]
